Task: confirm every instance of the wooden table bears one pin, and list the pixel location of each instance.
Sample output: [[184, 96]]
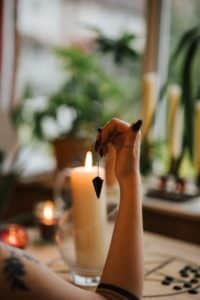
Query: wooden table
[[163, 257]]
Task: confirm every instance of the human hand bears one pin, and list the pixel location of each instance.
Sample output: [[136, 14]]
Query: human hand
[[125, 139]]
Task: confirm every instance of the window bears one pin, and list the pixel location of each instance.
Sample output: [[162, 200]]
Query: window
[[45, 24]]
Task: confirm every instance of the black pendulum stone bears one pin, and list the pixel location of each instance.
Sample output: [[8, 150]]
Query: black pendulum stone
[[193, 291], [177, 287], [187, 285], [97, 183], [197, 275]]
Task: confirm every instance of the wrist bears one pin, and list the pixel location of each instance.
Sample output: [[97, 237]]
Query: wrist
[[131, 192], [125, 181]]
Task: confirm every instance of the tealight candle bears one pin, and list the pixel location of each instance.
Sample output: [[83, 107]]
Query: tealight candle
[[89, 214], [47, 219], [14, 235]]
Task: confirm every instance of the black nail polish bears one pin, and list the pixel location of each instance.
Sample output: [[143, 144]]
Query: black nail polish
[[101, 152], [136, 126], [96, 146]]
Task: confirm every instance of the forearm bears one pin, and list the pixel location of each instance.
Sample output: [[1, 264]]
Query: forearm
[[124, 265], [22, 277]]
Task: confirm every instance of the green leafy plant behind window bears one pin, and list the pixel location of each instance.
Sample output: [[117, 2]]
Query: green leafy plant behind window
[[88, 92], [184, 70]]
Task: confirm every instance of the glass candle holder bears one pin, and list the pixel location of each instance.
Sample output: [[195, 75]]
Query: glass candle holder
[[84, 231], [47, 217], [81, 250]]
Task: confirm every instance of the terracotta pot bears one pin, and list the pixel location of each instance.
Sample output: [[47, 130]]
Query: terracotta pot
[[70, 151]]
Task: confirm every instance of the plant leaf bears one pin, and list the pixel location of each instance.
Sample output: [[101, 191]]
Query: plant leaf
[[184, 42], [187, 97]]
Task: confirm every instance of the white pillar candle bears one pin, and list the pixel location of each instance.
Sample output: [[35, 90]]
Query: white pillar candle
[[174, 121], [197, 139], [89, 214], [148, 101]]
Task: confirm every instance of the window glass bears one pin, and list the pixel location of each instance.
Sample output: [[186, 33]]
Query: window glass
[[184, 16], [42, 25]]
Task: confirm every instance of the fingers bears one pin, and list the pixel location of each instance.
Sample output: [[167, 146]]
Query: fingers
[[133, 132], [111, 133], [118, 133], [113, 129], [137, 144]]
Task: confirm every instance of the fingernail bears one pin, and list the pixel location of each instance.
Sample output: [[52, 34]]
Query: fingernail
[[136, 126], [96, 146], [99, 129], [101, 152]]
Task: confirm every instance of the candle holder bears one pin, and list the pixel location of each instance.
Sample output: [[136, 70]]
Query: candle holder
[[47, 231], [47, 216], [84, 263], [14, 235], [82, 235], [173, 189], [162, 183]]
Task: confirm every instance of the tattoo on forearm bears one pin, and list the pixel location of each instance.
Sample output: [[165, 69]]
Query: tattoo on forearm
[[15, 271], [14, 268], [19, 252], [30, 257]]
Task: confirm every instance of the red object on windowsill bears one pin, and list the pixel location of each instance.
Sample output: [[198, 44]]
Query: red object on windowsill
[[14, 235]]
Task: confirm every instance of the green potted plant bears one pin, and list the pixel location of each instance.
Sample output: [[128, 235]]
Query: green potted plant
[[184, 70], [69, 117]]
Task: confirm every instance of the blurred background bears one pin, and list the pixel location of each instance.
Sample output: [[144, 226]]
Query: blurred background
[[68, 66]]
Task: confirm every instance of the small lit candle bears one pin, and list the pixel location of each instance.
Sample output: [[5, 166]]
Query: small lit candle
[[47, 219], [14, 235], [89, 214]]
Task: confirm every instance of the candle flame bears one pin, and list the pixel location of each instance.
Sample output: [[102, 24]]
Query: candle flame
[[88, 160], [49, 211]]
